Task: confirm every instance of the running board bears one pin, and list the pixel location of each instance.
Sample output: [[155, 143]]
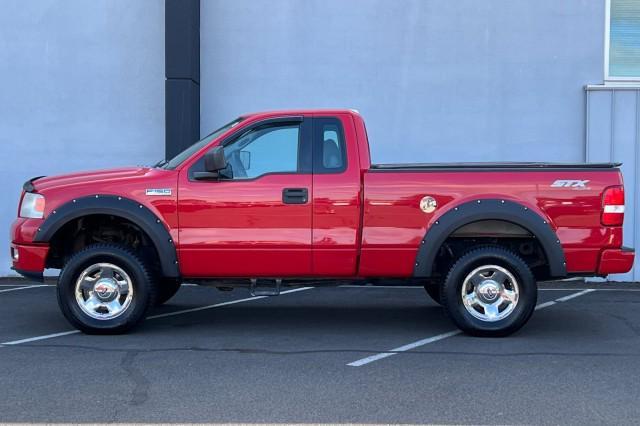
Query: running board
[[265, 286]]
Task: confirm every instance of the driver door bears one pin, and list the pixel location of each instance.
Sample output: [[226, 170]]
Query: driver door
[[256, 221]]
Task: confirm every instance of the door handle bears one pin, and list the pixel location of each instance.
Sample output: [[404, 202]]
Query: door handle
[[295, 195]]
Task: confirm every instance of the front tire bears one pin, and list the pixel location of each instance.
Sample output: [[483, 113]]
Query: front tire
[[490, 291], [105, 289]]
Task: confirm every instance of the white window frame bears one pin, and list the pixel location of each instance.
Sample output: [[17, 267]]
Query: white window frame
[[608, 79]]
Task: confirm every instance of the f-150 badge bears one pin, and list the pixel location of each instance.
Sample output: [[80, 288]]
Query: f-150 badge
[[570, 183], [158, 191]]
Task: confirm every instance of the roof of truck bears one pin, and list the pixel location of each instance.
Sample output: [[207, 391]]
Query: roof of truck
[[302, 112]]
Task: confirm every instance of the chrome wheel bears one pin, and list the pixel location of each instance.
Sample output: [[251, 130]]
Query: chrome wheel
[[104, 291], [490, 293]]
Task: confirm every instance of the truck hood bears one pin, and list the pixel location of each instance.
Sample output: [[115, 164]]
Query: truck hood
[[89, 177]]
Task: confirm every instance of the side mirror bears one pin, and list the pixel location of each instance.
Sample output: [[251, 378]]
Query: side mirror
[[214, 160], [214, 165]]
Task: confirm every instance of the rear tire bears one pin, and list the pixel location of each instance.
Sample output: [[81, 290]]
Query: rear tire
[[105, 289], [490, 291]]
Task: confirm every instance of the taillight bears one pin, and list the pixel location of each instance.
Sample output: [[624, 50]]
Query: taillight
[[613, 206]]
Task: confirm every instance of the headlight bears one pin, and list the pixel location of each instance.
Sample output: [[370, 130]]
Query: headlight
[[32, 206]]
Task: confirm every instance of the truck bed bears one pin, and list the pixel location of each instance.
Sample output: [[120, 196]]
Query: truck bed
[[493, 166], [393, 223]]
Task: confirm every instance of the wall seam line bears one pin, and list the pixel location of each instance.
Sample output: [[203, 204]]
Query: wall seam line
[[586, 126]]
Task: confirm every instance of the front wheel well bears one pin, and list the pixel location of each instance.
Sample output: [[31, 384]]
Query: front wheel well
[[83, 231]]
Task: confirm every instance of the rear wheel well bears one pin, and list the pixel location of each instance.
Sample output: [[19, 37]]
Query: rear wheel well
[[83, 231], [497, 233]]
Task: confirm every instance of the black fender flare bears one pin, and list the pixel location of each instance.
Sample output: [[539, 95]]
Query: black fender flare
[[485, 209], [115, 206]]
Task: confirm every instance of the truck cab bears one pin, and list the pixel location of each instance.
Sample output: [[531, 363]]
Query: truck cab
[[288, 203]]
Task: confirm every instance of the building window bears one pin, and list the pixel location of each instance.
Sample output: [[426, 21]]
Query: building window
[[622, 48]]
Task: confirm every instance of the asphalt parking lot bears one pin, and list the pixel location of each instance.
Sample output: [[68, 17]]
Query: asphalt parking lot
[[376, 355]]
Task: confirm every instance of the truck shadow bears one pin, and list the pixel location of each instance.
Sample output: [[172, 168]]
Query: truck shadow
[[364, 322], [312, 318]]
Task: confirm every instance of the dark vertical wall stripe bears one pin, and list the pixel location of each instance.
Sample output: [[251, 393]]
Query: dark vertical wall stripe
[[182, 71]]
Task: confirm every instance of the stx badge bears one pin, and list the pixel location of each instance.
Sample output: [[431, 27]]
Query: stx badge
[[569, 183]]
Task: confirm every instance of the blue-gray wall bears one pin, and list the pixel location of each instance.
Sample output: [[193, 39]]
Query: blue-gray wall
[[436, 80], [81, 87]]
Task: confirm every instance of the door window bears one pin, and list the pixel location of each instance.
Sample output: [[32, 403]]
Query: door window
[[264, 150], [260, 151]]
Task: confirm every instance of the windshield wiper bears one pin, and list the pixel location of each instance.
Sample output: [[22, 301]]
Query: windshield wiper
[[160, 163]]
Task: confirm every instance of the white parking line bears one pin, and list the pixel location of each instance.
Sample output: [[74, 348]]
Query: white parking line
[[545, 305], [404, 348], [372, 287], [34, 339], [53, 285], [217, 305], [396, 351], [22, 288], [168, 314], [574, 295], [21, 285], [594, 289], [381, 286]]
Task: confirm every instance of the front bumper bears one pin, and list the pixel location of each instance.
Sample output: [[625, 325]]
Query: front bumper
[[616, 261], [29, 259]]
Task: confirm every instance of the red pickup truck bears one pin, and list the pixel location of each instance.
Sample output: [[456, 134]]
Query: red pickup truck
[[291, 198]]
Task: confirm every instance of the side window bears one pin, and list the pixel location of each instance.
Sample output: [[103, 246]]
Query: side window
[[261, 151], [264, 150], [329, 147]]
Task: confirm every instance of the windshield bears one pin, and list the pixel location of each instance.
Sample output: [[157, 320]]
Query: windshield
[[180, 158]]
